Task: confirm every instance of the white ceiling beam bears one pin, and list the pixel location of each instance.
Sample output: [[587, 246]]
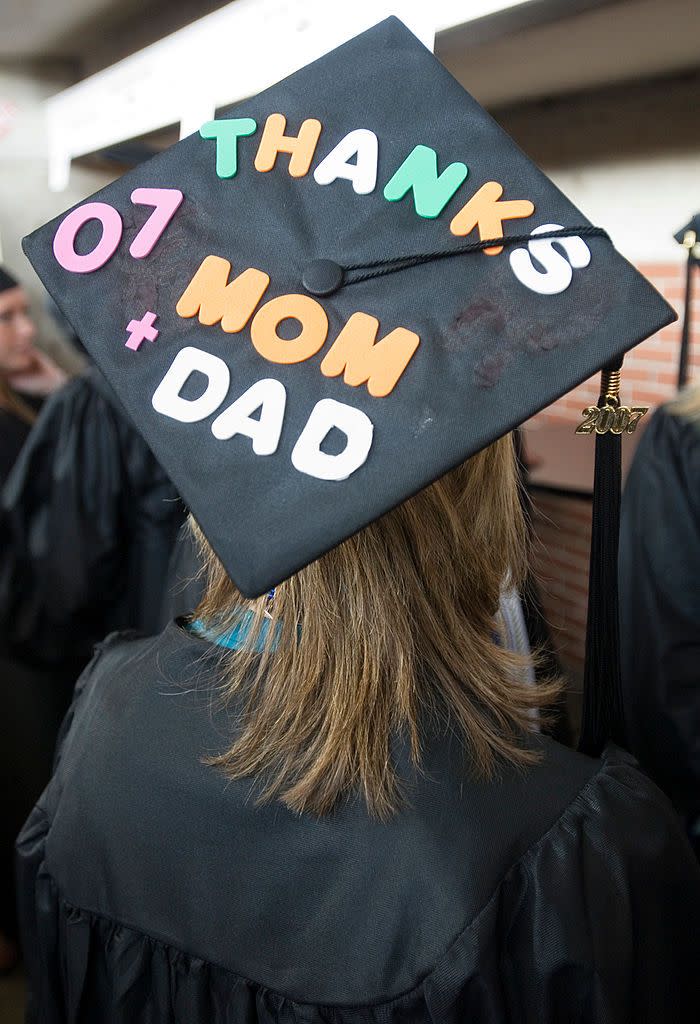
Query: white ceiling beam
[[224, 57]]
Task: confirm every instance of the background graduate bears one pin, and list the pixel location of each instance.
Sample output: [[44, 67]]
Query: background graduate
[[27, 376], [660, 604], [88, 522], [325, 796]]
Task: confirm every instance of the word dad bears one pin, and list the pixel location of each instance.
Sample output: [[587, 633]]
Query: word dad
[[269, 398]]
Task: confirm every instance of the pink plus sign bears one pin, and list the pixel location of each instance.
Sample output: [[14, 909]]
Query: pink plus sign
[[141, 330]]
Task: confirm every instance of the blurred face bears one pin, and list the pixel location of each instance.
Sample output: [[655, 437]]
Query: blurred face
[[17, 332]]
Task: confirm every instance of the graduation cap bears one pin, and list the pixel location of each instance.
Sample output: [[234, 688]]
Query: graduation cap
[[322, 302]]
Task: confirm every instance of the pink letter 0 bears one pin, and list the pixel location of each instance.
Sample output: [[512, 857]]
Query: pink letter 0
[[64, 239], [166, 202]]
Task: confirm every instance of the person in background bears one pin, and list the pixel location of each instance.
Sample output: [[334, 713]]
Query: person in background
[[659, 572], [27, 375], [89, 520]]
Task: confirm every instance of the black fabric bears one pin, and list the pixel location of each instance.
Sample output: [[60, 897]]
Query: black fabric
[[185, 586], [34, 701], [13, 433], [90, 521], [154, 891], [660, 606], [7, 281], [492, 351]]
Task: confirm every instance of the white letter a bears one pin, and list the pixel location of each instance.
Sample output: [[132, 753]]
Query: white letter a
[[363, 174], [267, 395]]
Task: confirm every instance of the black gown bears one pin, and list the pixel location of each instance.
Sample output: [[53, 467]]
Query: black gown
[[153, 890], [88, 522], [660, 609], [91, 520], [26, 777], [13, 433]]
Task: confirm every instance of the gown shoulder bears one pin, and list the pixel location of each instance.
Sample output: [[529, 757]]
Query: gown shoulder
[[90, 520], [564, 893]]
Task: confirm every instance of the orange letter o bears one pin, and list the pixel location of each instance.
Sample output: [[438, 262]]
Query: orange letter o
[[314, 329]]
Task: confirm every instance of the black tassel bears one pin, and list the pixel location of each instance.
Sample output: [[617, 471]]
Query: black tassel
[[687, 312], [602, 713]]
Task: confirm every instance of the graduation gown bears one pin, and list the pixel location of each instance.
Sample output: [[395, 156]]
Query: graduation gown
[[91, 521], [88, 521], [43, 702], [153, 890], [660, 607], [13, 433]]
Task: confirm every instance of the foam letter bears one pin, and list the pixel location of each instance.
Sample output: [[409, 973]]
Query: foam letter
[[267, 395], [361, 143], [64, 239], [431, 193], [210, 295], [167, 398], [227, 133], [307, 456], [364, 360], [557, 274], [166, 202], [314, 329], [486, 212], [301, 147]]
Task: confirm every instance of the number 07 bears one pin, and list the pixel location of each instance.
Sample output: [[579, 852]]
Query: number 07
[[165, 203]]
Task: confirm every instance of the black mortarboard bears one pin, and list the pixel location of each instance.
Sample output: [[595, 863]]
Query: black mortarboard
[[689, 235], [356, 196]]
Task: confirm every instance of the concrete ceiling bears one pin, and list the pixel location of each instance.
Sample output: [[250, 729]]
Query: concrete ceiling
[[536, 49], [623, 41], [80, 30]]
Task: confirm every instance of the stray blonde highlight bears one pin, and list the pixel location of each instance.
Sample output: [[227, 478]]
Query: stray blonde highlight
[[395, 627], [11, 402], [687, 403]]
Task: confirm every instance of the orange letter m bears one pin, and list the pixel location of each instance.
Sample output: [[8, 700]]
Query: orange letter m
[[210, 294], [379, 364]]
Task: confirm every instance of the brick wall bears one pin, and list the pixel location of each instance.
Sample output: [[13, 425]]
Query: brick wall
[[650, 370], [563, 525]]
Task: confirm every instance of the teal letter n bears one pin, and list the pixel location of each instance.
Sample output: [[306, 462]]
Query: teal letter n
[[431, 192]]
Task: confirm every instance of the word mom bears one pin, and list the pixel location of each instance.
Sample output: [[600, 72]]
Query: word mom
[[356, 352], [269, 396]]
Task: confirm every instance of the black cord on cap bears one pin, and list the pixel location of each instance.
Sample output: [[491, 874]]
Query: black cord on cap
[[602, 713], [324, 277]]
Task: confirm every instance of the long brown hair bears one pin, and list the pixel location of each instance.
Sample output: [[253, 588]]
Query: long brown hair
[[11, 402], [392, 628]]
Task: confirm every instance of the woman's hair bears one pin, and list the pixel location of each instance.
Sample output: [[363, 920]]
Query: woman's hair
[[393, 629], [687, 403], [11, 402]]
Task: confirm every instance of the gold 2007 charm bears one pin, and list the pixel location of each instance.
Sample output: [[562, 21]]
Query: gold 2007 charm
[[614, 419]]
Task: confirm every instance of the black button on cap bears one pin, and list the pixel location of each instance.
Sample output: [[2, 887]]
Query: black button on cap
[[322, 277]]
